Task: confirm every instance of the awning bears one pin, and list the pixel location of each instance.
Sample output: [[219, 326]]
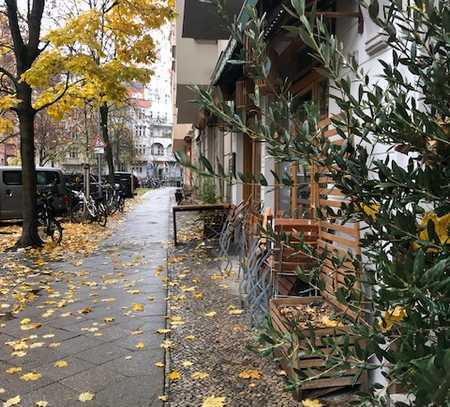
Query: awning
[[225, 56], [202, 22]]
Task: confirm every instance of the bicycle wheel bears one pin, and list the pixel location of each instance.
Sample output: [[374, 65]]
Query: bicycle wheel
[[102, 216], [42, 228], [55, 231], [77, 214], [113, 206], [121, 204]]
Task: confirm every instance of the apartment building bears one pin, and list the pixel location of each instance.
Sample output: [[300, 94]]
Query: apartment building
[[201, 35], [9, 151]]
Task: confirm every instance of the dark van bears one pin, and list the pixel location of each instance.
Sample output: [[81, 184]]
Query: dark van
[[127, 183], [11, 190]]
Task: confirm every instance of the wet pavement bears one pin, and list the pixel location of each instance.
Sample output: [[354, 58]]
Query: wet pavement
[[93, 330]]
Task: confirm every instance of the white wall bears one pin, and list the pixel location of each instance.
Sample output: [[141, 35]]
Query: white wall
[[195, 60]]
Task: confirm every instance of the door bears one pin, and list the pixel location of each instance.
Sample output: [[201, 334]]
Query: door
[[11, 194]]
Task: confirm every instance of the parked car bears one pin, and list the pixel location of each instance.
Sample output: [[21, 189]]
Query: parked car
[[11, 190]]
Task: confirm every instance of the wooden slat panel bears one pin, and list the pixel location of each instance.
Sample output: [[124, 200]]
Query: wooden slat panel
[[330, 191], [330, 133], [327, 202], [340, 240], [349, 230]]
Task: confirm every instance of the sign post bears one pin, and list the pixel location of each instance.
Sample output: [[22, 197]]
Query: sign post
[[99, 150]]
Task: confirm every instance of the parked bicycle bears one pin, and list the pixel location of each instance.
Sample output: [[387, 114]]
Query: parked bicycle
[[151, 182], [49, 228], [89, 209], [114, 199]]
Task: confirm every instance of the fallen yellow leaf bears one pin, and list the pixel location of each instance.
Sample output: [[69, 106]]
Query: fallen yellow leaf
[[27, 327], [210, 314], [330, 323], [159, 364], [31, 377], [13, 370], [312, 403], [137, 307], [213, 402], [41, 403], [140, 345], [251, 374], [12, 402], [61, 363], [163, 398], [37, 345], [166, 344], [199, 375], [163, 331], [186, 363], [86, 396], [235, 311], [174, 375]]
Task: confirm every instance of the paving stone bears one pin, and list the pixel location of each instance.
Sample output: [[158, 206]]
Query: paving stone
[[141, 363], [93, 379], [136, 392], [150, 339], [15, 385], [57, 395], [77, 345], [75, 366], [36, 358], [102, 354]]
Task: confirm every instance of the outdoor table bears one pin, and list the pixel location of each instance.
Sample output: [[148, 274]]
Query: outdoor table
[[194, 208]]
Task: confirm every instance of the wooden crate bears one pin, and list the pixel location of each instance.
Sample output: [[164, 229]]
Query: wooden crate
[[311, 365]]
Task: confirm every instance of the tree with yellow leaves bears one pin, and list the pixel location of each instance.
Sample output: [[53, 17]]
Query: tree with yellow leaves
[[91, 55], [107, 44], [20, 47]]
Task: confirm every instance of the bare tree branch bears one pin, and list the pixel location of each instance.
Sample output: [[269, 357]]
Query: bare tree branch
[[9, 75]]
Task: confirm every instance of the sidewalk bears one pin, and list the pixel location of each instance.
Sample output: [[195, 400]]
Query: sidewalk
[[210, 363], [91, 332]]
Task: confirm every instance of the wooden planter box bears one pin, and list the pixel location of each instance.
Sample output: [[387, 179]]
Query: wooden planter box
[[311, 365]]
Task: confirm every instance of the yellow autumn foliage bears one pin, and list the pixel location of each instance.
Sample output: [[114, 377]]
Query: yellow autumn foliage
[[390, 317], [93, 54]]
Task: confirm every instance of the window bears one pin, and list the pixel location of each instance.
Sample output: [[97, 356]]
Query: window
[[42, 177], [157, 149], [73, 154], [47, 177], [12, 177]]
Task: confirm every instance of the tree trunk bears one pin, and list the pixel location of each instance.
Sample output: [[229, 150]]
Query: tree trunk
[[29, 236], [104, 111]]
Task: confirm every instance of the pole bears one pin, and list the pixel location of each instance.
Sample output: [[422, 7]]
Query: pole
[[99, 162]]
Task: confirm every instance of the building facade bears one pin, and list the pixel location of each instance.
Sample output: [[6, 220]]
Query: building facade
[[152, 116], [9, 151], [291, 62], [201, 36]]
